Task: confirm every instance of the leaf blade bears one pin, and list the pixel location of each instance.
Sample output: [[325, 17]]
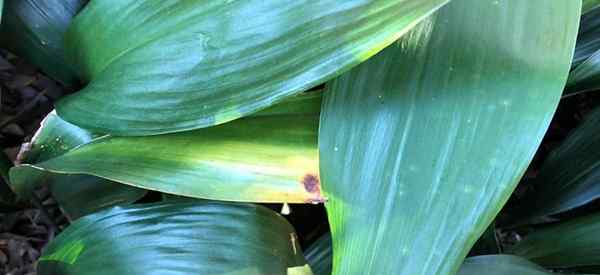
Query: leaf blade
[[408, 157], [34, 30], [271, 156], [176, 238], [569, 244], [77, 195], [235, 62]]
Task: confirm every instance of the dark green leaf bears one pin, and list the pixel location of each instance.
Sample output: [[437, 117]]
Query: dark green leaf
[[588, 39], [586, 62], [34, 30], [569, 244], [570, 175], [269, 157], [177, 238], [77, 194], [422, 144], [589, 5], [319, 255], [168, 66]]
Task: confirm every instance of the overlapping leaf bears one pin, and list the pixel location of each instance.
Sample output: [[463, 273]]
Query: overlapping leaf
[[570, 244], [34, 30], [167, 66], [589, 5], [269, 157], [422, 144], [177, 238], [570, 175], [77, 194], [585, 75]]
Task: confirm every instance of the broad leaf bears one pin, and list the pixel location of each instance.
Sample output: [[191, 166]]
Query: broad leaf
[[177, 238], [569, 177], [570, 244], [34, 30], [422, 144], [168, 66], [269, 157], [76, 194], [319, 255]]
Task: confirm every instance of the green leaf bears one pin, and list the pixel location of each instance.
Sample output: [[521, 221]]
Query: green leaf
[[319, 255], [34, 30], [570, 244], [569, 177], [588, 38], [422, 144], [269, 157], [169, 66], [589, 5], [77, 195], [176, 238], [586, 62]]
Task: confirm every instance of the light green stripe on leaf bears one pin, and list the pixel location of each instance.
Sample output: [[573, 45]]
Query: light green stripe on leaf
[[269, 157]]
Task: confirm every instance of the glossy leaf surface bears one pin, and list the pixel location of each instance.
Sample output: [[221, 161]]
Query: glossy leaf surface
[[77, 195], [34, 30], [570, 244], [422, 144], [194, 64], [176, 238], [269, 157]]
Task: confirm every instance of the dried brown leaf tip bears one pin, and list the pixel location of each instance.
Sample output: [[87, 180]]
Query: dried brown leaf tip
[[312, 185]]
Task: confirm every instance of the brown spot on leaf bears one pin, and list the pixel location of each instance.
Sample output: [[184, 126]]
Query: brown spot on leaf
[[311, 183]]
